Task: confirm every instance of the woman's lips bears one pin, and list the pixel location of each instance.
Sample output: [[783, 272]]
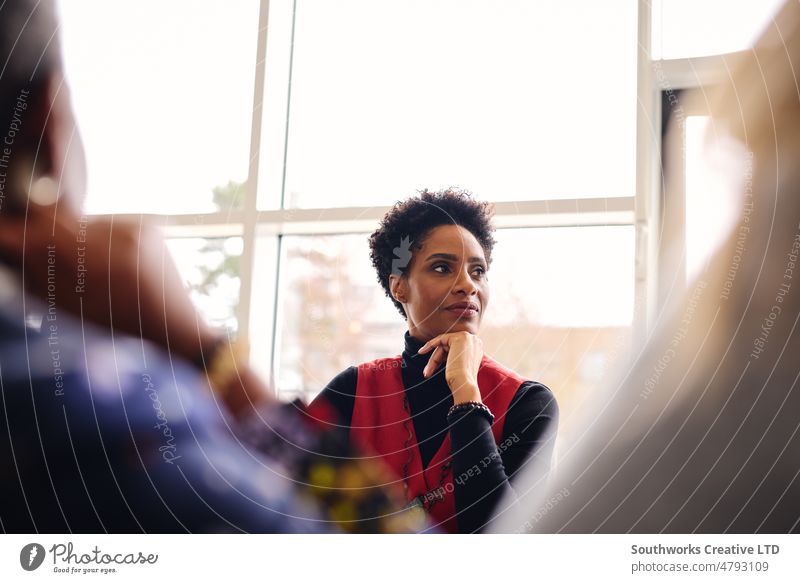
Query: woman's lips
[[464, 310]]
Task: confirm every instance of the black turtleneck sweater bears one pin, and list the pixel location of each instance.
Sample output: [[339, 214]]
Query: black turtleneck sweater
[[530, 428]]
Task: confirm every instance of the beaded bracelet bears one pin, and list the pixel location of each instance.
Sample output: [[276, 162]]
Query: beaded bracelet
[[471, 406]]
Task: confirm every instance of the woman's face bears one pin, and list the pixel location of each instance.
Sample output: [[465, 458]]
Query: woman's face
[[445, 288]]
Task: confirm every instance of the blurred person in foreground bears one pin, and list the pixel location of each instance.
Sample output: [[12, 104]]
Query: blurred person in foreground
[[702, 431], [120, 410]]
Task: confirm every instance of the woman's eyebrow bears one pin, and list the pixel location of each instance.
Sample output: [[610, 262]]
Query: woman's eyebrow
[[451, 257]]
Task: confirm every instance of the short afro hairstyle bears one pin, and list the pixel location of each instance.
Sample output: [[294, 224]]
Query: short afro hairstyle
[[409, 222]]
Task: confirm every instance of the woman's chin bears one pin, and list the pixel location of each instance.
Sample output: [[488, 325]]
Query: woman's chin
[[462, 326]]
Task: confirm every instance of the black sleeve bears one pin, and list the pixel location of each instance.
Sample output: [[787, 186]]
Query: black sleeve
[[531, 424], [481, 469], [340, 393]]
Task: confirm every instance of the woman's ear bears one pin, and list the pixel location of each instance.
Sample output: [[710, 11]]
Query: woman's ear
[[398, 285]]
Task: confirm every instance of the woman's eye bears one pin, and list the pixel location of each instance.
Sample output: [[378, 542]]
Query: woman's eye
[[480, 271], [441, 268]]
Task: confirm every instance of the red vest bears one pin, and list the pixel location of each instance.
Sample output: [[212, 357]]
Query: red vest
[[378, 428]]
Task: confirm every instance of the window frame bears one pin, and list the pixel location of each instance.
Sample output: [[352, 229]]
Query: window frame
[[691, 82], [641, 209]]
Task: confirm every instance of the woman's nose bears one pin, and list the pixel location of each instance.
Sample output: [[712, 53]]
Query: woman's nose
[[465, 283]]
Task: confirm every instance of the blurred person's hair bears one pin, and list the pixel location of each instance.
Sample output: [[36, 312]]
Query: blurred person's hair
[[30, 49], [701, 431], [30, 67]]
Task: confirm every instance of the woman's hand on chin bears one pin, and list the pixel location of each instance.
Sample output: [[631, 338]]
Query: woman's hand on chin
[[462, 352]]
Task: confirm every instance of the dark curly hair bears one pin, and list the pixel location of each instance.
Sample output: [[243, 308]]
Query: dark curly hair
[[409, 222]]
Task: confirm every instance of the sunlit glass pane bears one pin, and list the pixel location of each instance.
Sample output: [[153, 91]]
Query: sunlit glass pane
[[560, 311], [210, 268], [163, 95], [512, 100], [333, 312], [562, 305]]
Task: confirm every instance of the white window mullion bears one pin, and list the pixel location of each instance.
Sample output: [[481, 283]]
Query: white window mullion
[[648, 137], [251, 187]]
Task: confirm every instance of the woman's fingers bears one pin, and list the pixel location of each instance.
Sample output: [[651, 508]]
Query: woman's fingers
[[439, 355], [440, 346], [441, 340], [426, 372]]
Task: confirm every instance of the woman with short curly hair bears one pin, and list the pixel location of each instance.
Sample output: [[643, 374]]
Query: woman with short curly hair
[[453, 424]]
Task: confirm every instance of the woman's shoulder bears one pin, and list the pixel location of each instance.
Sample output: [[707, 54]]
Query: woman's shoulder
[[344, 382], [534, 390], [339, 393]]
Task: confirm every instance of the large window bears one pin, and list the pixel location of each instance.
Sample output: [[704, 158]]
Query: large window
[[391, 96], [270, 137], [556, 317]]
